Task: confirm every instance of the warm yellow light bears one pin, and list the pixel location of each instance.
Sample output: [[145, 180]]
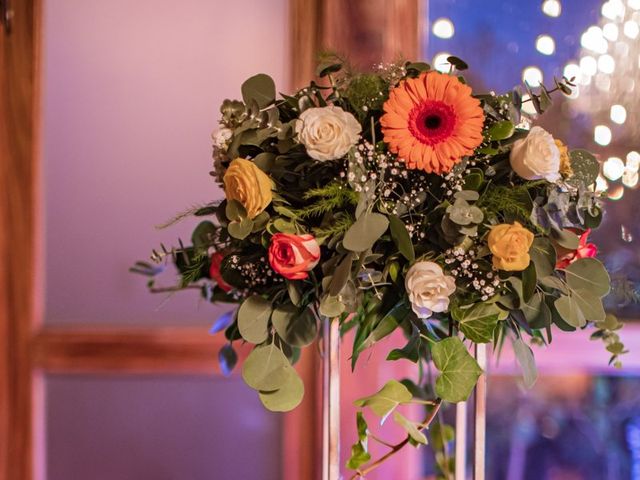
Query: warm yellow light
[[616, 192], [602, 135], [532, 76], [631, 29], [443, 28], [553, 8], [588, 66], [618, 114], [593, 39], [633, 160], [613, 168], [630, 178], [610, 31], [440, 62], [606, 63], [613, 9], [545, 45]]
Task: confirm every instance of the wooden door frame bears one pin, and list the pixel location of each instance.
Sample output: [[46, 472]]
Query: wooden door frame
[[29, 348]]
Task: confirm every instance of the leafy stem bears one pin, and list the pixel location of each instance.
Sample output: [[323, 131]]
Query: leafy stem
[[360, 473]]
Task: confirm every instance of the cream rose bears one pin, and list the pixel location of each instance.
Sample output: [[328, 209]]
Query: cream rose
[[537, 156], [429, 288], [328, 132]]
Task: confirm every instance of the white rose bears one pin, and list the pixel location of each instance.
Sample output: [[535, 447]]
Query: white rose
[[221, 137], [429, 288], [536, 156], [328, 133]]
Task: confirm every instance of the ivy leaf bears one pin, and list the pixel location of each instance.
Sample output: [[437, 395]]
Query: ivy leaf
[[297, 328], [459, 371], [410, 351], [253, 319], [366, 230], [386, 399], [287, 397], [478, 322], [441, 435], [588, 274], [260, 88], [266, 368], [410, 427], [401, 238], [527, 362], [359, 456]]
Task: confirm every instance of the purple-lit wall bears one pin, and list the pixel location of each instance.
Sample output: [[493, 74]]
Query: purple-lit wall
[[131, 94]]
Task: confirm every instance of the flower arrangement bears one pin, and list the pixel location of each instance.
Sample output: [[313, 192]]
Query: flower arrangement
[[394, 200]]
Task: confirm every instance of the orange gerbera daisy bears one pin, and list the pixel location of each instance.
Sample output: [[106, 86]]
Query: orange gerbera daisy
[[432, 121]]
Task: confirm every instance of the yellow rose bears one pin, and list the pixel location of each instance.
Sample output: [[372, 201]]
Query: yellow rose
[[246, 183], [510, 246]]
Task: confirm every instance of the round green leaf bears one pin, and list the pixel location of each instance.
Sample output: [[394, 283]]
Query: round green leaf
[[297, 328], [588, 274], [287, 397], [253, 319], [501, 130], [266, 368], [570, 312], [365, 232], [260, 88]]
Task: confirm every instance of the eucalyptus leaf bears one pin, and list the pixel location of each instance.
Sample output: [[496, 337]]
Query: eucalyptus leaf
[[386, 399], [296, 327], [201, 237], [590, 304], [588, 274], [401, 237], [585, 168], [266, 368], [331, 306], [260, 88], [459, 372], [241, 229], [543, 256], [410, 427], [287, 397], [341, 275], [366, 230], [570, 312], [527, 362], [253, 319]]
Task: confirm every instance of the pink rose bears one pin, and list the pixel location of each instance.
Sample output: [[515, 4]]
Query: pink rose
[[584, 250], [214, 271], [292, 256]]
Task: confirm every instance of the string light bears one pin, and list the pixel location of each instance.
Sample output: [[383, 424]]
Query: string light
[[443, 28], [545, 45], [552, 8], [618, 114], [602, 135], [606, 63], [631, 29], [610, 31], [532, 76], [613, 168], [440, 62], [633, 160]]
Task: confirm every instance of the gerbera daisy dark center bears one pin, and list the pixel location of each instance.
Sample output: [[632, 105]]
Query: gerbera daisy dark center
[[432, 121]]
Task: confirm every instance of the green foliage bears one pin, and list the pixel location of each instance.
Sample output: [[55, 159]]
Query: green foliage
[[459, 371], [330, 198], [386, 399]]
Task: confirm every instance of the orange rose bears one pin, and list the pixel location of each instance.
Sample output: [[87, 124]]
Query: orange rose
[[292, 256], [214, 271], [510, 246]]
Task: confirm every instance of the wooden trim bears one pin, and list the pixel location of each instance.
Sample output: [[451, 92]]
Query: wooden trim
[[177, 350], [365, 31], [19, 105]]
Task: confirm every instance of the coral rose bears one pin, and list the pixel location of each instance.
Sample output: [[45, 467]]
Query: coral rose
[[328, 133], [246, 183], [510, 246], [292, 256], [214, 271], [428, 288], [584, 250]]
